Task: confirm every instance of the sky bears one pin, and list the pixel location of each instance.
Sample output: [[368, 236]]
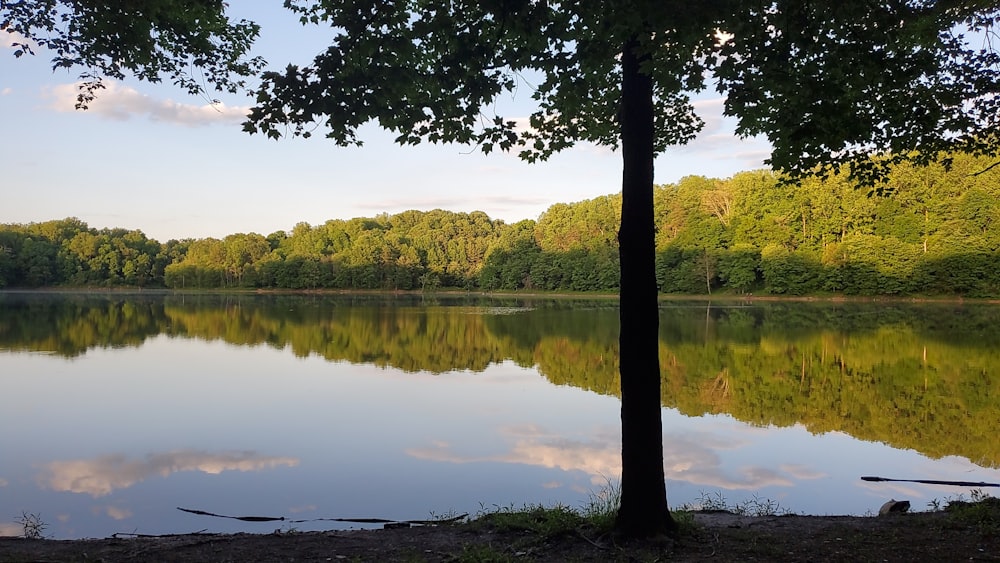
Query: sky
[[151, 157]]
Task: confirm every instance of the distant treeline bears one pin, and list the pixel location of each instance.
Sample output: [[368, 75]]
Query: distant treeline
[[932, 231]]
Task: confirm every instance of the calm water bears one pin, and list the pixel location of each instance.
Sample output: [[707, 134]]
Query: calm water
[[117, 409]]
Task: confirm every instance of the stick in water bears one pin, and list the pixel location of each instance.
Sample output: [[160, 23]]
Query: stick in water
[[933, 482]]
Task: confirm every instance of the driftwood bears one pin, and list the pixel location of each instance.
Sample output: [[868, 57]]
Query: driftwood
[[352, 520], [933, 482]]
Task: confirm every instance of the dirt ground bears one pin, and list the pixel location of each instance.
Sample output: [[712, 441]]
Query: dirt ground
[[719, 536]]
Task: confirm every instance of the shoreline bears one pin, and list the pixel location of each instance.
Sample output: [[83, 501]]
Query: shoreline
[[969, 533], [724, 297]]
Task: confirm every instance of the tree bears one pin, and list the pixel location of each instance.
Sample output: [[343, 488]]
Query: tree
[[829, 83]]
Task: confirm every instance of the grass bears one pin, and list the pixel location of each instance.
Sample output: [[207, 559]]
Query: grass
[[982, 511], [597, 516], [539, 520], [715, 502], [484, 554], [595, 523]]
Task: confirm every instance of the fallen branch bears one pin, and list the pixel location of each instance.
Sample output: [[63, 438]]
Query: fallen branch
[[933, 482], [117, 535], [352, 520]]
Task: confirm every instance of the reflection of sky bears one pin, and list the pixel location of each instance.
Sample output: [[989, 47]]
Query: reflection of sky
[[116, 439], [102, 475]]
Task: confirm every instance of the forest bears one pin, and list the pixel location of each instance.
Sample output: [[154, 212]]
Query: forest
[[932, 230]]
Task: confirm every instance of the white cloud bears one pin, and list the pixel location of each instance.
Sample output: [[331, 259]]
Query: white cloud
[[6, 91], [121, 103], [717, 142], [8, 38], [493, 202], [3, 482], [11, 529], [100, 476], [710, 111]]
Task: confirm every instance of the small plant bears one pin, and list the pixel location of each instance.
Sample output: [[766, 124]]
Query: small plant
[[448, 517], [601, 509], [708, 502], [977, 495], [32, 526], [684, 518], [761, 507]]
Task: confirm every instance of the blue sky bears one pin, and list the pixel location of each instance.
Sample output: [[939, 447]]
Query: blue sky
[[153, 158]]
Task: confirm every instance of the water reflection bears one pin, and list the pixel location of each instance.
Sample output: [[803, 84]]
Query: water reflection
[[920, 377], [102, 475], [334, 407], [690, 457]]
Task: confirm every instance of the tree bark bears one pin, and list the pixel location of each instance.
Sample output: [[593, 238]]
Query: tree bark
[[643, 510]]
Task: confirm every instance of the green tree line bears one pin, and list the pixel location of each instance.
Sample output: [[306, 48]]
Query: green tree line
[[929, 230], [923, 378]]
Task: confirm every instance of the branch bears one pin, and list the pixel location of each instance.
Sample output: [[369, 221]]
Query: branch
[[987, 169]]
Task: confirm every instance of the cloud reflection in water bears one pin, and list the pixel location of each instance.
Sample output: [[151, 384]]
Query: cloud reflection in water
[[113, 512], [689, 457], [100, 476]]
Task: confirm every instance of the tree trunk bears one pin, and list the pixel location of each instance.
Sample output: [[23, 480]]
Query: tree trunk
[[643, 509]]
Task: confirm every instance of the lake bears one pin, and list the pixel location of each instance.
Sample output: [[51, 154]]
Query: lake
[[119, 408]]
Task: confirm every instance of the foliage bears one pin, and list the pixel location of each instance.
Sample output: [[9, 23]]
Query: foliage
[[981, 511], [791, 72], [149, 40], [831, 83]]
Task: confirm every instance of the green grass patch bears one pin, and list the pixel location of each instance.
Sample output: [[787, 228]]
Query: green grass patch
[[716, 502], [981, 511]]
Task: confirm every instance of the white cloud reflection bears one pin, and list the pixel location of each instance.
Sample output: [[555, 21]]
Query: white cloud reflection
[[100, 476], [689, 457], [113, 512]]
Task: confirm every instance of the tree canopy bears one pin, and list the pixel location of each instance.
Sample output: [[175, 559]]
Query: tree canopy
[[829, 83]]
